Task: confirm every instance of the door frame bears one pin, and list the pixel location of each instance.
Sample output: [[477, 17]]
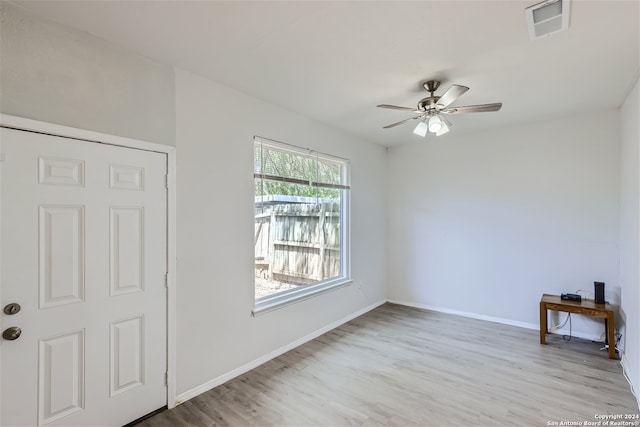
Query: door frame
[[24, 124]]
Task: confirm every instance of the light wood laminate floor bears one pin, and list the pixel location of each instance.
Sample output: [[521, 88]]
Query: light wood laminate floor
[[399, 366]]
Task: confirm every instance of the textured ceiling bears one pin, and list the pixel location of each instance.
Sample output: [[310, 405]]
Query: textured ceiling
[[335, 61]]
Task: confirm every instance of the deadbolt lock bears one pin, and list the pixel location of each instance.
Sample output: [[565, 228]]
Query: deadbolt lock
[[12, 308]]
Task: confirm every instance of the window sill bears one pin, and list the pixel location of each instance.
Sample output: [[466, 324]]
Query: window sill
[[275, 302]]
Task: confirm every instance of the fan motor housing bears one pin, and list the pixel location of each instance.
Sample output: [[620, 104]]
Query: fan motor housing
[[428, 103]]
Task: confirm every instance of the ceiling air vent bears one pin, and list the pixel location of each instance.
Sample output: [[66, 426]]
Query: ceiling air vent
[[547, 18]]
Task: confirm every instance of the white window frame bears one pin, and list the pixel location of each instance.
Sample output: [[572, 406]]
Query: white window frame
[[281, 299]]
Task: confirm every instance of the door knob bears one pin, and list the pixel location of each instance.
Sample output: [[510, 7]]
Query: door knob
[[12, 308], [12, 333]]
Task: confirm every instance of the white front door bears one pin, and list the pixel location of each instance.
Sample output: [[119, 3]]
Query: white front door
[[83, 228]]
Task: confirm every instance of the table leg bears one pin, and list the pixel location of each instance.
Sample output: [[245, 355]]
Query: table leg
[[611, 338], [543, 323]]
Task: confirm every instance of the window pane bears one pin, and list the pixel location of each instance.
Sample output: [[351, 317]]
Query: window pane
[[273, 161], [297, 226]]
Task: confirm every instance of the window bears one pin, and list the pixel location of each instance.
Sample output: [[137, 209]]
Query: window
[[301, 223]]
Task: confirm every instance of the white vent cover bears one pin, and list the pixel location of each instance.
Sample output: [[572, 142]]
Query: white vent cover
[[547, 18]]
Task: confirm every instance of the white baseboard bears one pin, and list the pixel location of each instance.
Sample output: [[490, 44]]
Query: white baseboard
[[625, 371], [189, 394], [502, 320]]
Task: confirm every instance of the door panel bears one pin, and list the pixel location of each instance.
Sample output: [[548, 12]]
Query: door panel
[[84, 253], [127, 250], [61, 255], [127, 358], [61, 378]]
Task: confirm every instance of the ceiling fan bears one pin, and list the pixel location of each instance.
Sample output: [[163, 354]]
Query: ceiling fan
[[432, 109]]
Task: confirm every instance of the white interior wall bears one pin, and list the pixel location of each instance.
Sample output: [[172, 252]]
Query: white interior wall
[[63, 76], [215, 128], [484, 224], [630, 233]]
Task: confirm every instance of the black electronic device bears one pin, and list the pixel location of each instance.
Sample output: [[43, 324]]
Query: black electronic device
[[571, 297], [599, 292]]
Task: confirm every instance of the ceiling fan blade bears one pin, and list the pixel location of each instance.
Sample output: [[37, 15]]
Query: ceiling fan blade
[[473, 108], [395, 107], [451, 95], [401, 122]]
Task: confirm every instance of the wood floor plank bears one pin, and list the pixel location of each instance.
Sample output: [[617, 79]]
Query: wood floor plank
[[399, 366]]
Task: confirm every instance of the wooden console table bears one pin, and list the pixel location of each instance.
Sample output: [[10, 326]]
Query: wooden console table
[[586, 307]]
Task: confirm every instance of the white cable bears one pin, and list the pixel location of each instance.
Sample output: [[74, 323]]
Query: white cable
[[560, 326], [589, 295]]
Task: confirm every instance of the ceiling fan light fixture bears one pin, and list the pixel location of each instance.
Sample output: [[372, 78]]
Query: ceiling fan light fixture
[[443, 130], [421, 129], [435, 124]]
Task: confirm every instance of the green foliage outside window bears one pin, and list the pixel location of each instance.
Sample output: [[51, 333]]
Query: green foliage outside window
[[271, 161]]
